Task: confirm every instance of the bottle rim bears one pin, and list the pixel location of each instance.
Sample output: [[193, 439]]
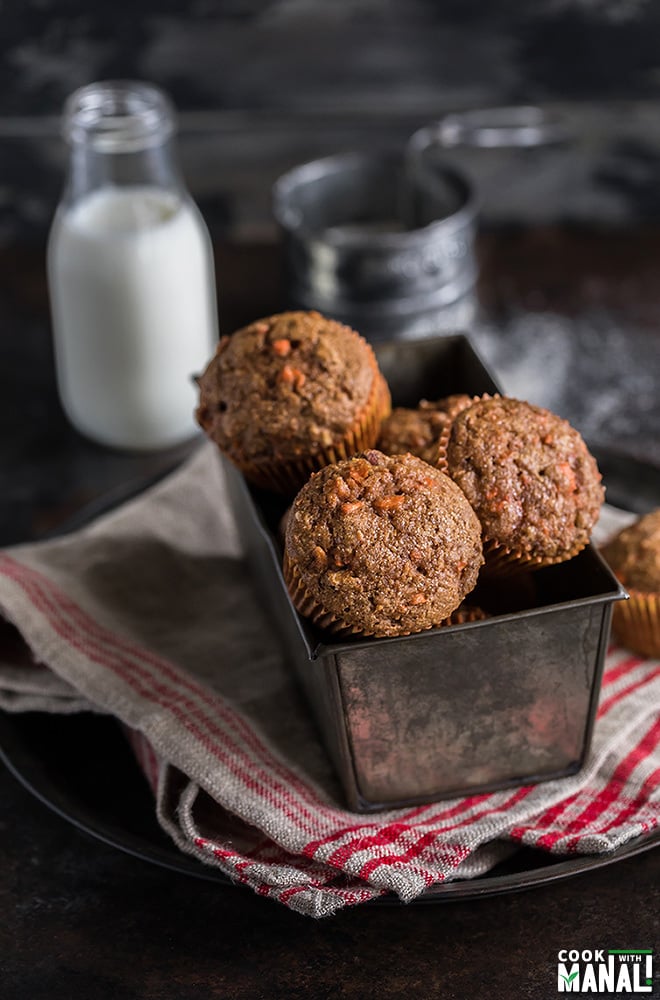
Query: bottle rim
[[118, 115]]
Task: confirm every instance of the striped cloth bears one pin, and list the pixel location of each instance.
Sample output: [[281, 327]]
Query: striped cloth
[[149, 614]]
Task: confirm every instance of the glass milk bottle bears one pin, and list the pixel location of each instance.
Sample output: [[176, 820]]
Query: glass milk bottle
[[130, 273]]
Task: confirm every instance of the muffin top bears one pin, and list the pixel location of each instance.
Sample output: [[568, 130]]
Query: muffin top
[[634, 554], [418, 430], [387, 545], [285, 386], [528, 475]]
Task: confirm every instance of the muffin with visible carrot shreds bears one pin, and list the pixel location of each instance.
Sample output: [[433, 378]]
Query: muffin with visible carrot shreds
[[634, 556], [529, 477], [381, 545], [289, 394]]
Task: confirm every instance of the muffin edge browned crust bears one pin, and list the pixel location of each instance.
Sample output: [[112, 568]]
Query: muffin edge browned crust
[[634, 553]]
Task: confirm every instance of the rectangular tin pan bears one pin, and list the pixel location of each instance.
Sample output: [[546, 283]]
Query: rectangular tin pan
[[452, 711]]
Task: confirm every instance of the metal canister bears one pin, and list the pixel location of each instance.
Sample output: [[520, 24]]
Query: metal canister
[[380, 243]]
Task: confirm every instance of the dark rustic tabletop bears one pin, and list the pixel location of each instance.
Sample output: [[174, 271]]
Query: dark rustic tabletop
[[567, 317]]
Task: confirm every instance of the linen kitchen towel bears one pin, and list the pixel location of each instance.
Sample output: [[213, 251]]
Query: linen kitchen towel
[[149, 614]]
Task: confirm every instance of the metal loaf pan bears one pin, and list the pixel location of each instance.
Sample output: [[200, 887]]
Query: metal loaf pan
[[452, 711]]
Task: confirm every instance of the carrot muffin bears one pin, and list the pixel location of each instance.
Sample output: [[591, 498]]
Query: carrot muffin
[[527, 473], [289, 394], [418, 431], [381, 545], [634, 555]]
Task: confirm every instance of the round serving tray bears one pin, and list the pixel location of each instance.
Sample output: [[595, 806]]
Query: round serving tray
[[104, 794]]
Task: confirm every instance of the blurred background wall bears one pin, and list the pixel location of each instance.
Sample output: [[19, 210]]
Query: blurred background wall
[[261, 86]]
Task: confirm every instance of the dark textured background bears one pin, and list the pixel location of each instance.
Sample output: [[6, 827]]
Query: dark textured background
[[264, 85], [354, 55]]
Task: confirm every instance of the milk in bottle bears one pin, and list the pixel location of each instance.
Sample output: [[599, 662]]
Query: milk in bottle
[[130, 274]]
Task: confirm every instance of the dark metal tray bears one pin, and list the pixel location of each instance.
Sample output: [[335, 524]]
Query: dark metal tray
[[103, 793]]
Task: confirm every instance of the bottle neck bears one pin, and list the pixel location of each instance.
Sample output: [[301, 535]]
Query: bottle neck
[[120, 134], [91, 169]]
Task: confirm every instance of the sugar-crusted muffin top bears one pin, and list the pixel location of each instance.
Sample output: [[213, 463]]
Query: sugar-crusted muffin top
[[634, 554], [385, 544], [528, 475], [285, 386]]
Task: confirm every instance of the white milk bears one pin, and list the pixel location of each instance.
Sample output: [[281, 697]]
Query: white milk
[[134, 316]]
